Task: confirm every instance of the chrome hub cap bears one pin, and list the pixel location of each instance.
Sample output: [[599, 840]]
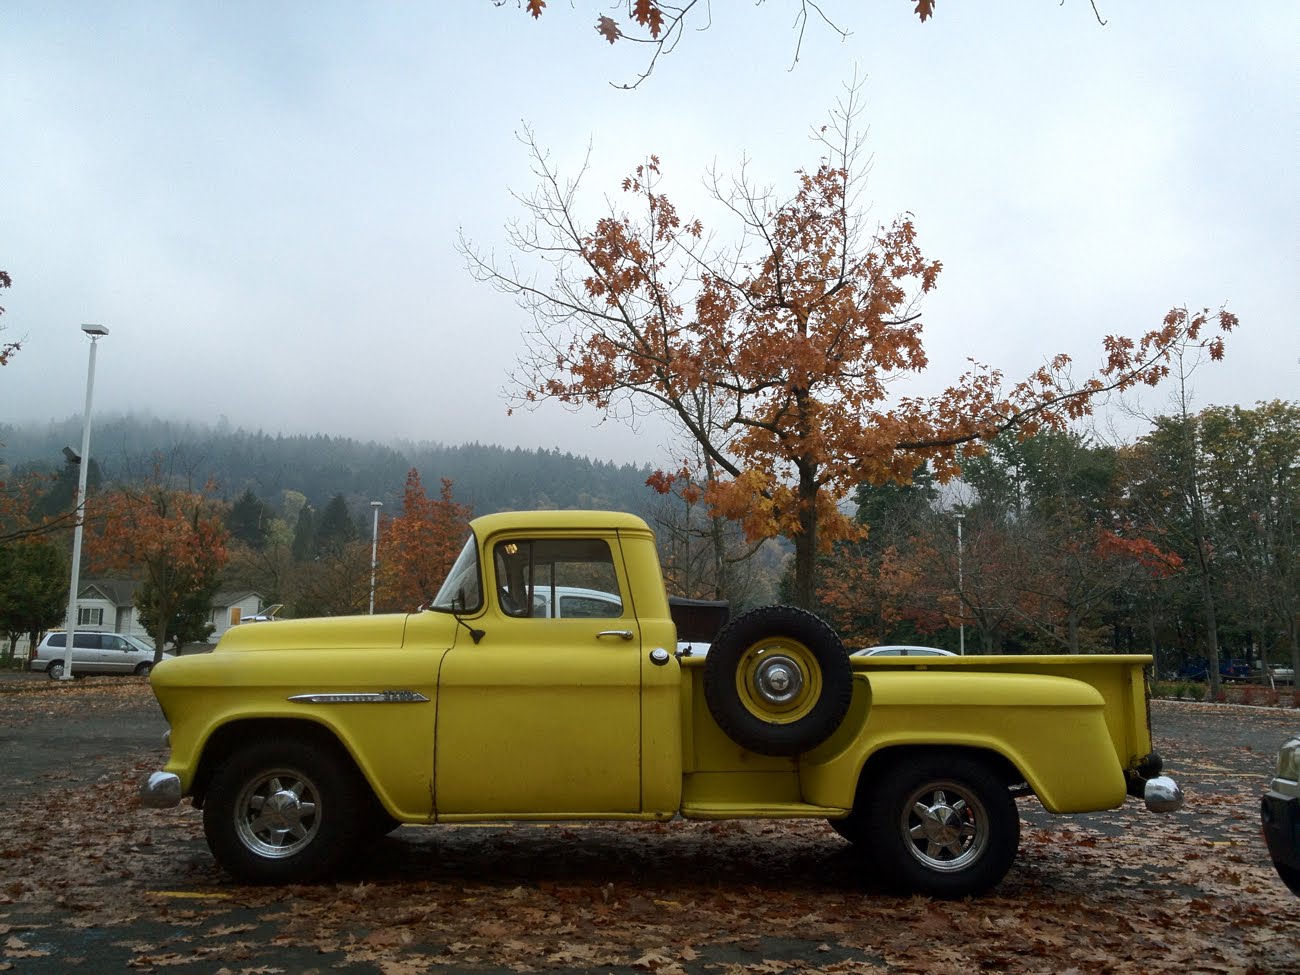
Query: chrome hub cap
[[946, 828], [778, 680], [278, 814]]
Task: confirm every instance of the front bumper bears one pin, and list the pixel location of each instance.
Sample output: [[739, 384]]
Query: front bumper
[[1280, 816], [161, 790]]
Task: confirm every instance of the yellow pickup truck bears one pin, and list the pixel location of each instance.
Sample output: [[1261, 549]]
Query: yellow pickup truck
[[299, 738]]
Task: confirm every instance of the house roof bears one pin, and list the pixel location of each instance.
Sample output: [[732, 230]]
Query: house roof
[[119, 592], [230, 597]]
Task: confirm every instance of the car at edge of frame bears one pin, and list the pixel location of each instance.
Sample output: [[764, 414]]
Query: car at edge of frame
[[1280, 815]]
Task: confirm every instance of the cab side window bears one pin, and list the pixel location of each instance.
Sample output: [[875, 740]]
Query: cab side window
[[550, 578]]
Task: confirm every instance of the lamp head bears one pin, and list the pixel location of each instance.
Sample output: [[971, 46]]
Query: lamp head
[[94, 331]]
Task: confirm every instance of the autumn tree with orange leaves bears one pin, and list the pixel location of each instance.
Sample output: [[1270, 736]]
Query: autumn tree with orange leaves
[[7, 349], [801, 332], [170, 539], [418, 547], [660, 26]]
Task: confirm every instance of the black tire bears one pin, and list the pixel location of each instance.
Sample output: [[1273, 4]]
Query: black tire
[[941, 824], [778, 681], [377, 823], [318, 803], [852, 827], [143, 669], [54, 669], [1290, 876]]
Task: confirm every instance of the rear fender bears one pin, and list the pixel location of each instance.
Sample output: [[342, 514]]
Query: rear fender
[[1047, 731]]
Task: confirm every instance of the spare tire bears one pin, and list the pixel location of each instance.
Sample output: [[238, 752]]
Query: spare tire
[[778, 681]]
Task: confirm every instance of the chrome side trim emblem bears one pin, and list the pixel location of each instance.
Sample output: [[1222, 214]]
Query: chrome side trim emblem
[[371, 697]]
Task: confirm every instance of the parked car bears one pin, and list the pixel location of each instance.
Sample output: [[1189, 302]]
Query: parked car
[[266, 615], [575, 602], [1282, 675], [93, 653], [1230, 668], [1280, 815], [903, 651]]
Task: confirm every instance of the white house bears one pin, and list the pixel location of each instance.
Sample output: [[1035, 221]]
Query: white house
[[228, 608], [107, 605]]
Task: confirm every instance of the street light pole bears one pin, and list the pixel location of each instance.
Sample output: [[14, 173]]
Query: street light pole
[[96, 332], [961, 586], [374, 552]]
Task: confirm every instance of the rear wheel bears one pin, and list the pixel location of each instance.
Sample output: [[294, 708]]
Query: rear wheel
[[282, 812], [942, 825], [54, 669], [778, 680]]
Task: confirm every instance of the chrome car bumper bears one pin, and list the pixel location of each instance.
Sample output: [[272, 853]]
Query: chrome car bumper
[[161, 790], [1162, 794]]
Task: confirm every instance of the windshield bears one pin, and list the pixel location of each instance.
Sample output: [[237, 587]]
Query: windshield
[[462, 592]]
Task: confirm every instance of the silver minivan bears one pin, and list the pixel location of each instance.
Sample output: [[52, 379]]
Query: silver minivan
[[93, 653]]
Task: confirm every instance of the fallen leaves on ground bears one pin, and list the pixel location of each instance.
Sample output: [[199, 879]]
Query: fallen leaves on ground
[[1118, 892]]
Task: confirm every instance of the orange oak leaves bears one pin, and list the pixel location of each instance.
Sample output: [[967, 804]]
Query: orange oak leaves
[[418, 546], [797, 337], [173, 540]]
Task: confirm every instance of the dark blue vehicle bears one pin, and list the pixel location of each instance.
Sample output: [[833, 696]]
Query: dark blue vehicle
[[1230, 668]]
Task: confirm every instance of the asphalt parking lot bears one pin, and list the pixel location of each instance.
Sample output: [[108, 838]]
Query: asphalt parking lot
[[95, 883]]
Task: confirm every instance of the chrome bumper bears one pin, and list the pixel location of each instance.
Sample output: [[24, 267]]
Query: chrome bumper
[[1162, 794], [161, 790]]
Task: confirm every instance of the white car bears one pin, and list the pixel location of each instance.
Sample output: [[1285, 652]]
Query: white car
[[93, 653], [576, 603], [901, 650]]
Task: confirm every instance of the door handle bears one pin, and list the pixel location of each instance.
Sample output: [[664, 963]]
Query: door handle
[[621, 634]]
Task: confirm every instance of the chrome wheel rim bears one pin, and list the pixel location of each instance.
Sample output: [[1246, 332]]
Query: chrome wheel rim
[[278, 813], [945, 826]]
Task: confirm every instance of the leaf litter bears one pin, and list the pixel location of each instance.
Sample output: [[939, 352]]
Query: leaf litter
[[1118, 892]]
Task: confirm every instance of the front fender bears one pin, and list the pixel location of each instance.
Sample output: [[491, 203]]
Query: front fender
[[379, 705]]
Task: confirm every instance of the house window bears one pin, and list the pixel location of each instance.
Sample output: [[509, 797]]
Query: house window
[[87, 616]]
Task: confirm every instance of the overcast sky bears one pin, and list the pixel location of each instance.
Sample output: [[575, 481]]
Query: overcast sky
[[261, 201]]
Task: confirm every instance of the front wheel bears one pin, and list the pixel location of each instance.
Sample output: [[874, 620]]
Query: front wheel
[[143, 669], [942, 825], [281, 812]]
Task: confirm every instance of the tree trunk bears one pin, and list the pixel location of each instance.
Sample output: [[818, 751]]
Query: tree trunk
[[805, 544]]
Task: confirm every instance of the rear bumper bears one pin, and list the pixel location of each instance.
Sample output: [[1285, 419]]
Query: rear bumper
[[161, 790], [1160, 792]]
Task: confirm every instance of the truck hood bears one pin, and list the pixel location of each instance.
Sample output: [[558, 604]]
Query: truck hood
[[384, 632]]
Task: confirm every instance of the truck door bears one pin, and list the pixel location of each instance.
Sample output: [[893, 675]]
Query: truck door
[[542, 716]]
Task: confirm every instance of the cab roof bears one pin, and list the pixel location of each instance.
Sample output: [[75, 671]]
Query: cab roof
[[557, 521]]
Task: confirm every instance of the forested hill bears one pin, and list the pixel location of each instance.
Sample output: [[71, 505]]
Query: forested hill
[[487, 477]]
